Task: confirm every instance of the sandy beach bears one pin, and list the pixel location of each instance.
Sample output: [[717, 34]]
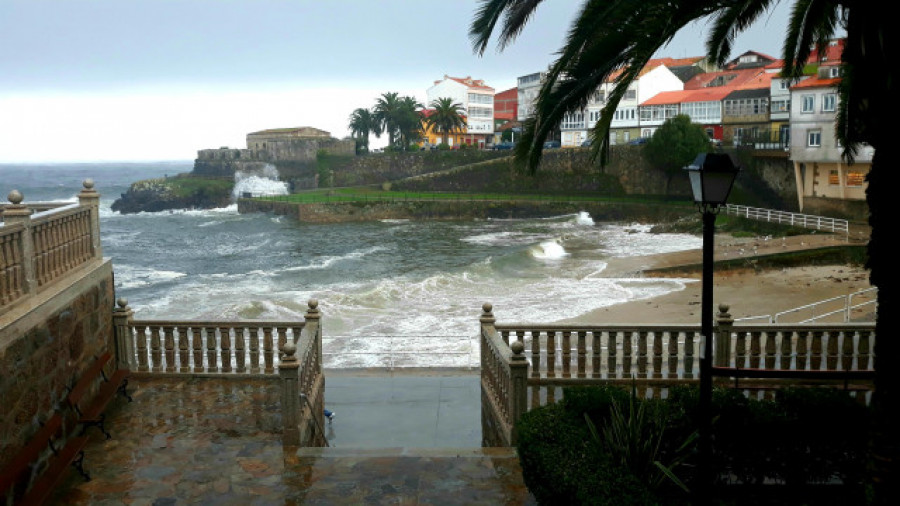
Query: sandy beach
[[750, 291]]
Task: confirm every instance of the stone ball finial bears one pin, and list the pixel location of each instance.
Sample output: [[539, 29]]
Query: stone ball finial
[[517, 347], [487, 307], [723, 308], [88, 184], [289, 348], [122, 302], [15, 197], [312, 303]]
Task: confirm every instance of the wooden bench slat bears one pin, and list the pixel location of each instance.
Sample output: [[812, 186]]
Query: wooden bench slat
[[87, 379], [36, 445], [42, 489]]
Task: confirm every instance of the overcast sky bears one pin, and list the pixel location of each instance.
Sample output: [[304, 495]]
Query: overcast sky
[[91, 80]]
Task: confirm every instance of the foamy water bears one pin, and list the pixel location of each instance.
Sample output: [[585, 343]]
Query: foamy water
[[392, 292]]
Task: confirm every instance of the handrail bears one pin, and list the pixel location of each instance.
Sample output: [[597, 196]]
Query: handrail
[[834, 225], [315, 418]]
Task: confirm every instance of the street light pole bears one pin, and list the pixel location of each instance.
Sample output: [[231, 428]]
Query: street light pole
[[711, 176]]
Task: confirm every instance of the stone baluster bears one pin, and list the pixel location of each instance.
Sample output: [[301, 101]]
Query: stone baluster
[[657, 354], [740, 350], [582, 354], [535, 354], [282, 338], [170, 347], [722, 343], [505, 335], [155, 349], [268, 351], [673, 355], [254, 349], [551, 354], [212, 359], [787, 347], [18, 214], [770, 349], [864, 356], [288, 371], [313, 318], [90, 198], [11, 281], [755, 349], [612, 366], [197, 348], [225, 350], [642, 354], [141, 339], [566, 354], [240, 349], [802, 350], [847, 351], [815, 361], [184, 358], [626, 354], [831, 360], [689, 338]]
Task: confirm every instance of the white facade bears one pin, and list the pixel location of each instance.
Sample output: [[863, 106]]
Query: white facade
[[476, 98]]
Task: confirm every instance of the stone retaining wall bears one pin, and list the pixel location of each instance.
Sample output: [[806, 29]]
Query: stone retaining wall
[[45, 346]]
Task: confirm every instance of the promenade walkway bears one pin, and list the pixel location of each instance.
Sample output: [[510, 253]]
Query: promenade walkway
[[400, 439]]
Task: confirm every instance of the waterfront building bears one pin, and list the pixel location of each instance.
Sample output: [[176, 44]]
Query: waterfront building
[[477, 99]]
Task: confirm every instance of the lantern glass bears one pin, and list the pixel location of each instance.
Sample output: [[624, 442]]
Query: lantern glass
[[712, 177]]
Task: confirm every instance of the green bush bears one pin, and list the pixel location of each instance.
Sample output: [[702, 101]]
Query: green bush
[[804, 437]]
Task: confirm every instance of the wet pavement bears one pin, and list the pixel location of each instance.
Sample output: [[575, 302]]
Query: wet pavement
[[399, 439]]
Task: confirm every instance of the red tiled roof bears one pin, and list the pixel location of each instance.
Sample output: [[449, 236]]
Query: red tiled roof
[[816, 82], [475, 84], [832, 53], [656, 62], [738, 77], [687, 96]]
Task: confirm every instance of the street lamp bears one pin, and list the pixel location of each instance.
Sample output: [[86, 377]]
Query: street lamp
[[711, 176]]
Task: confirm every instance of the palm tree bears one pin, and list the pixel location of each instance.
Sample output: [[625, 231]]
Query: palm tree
[[362, 124], [611, 36], [409, 121], [387, 112], [446, 117]]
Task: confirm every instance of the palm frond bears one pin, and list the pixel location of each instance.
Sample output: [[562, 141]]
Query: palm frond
[[515, 14], [728, 23], [811, 25]]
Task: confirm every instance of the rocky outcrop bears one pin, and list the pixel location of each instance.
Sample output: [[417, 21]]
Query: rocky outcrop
[[153, 195]]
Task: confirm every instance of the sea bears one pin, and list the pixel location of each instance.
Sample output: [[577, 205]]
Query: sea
[[393, 293]]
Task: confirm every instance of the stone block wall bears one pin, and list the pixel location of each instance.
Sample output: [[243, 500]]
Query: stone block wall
[[45, 347]]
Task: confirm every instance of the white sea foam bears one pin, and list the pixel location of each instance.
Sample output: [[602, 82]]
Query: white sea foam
[[328, 261], [549, 250], [129, 276], [259, 183], [505, 238], [584, 218]]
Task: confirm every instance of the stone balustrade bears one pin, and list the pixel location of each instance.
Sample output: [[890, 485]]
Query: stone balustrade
[[289, 352], [37, 249], [656, 357]]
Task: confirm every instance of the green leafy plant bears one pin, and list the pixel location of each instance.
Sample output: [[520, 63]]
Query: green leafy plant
[[633, 437]]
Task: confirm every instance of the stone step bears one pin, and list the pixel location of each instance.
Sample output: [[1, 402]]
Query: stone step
[[408, 475]]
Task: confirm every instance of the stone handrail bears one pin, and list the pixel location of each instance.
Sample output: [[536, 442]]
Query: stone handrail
[[656, 357], [290, 352], [503, 384], [36, 250]]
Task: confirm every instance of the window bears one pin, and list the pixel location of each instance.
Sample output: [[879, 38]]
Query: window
[[481, 112], [573, 120], [478, 98], [599, 96], [834, 72], [626, 136], [703, 112], [781, 105], [630, 94], [746, 106], [809, 103], [855, 178], [834, 179], [814, 138], [828, 102]]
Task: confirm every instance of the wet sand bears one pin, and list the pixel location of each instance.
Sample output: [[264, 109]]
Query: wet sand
[[749, 291]]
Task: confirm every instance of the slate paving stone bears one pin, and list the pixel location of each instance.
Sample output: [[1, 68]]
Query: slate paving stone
[[218, 442]]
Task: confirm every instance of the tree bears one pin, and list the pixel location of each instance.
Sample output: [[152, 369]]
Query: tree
[[612, 36], [409, 122], [387, 112], [362, 124], [446, 117], [675, 144]]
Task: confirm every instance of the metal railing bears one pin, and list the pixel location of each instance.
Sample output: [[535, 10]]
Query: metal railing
[[833, 225], [843, 305]]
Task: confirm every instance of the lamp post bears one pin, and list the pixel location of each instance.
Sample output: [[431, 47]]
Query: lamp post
[[711, 176]]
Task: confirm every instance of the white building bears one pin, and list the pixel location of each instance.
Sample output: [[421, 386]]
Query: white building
[[478, 101]]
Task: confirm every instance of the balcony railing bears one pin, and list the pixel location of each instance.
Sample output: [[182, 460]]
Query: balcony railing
[[42, 243]]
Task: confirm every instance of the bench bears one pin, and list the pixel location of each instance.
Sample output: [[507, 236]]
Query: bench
[[22, 466], [93, 413]]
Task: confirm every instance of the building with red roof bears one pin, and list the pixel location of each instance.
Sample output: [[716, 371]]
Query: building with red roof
[[477, 98]]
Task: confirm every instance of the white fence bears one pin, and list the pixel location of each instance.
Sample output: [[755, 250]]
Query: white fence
[[833, 225]]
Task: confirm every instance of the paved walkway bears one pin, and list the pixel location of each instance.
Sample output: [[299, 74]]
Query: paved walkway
[[218, 441]]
